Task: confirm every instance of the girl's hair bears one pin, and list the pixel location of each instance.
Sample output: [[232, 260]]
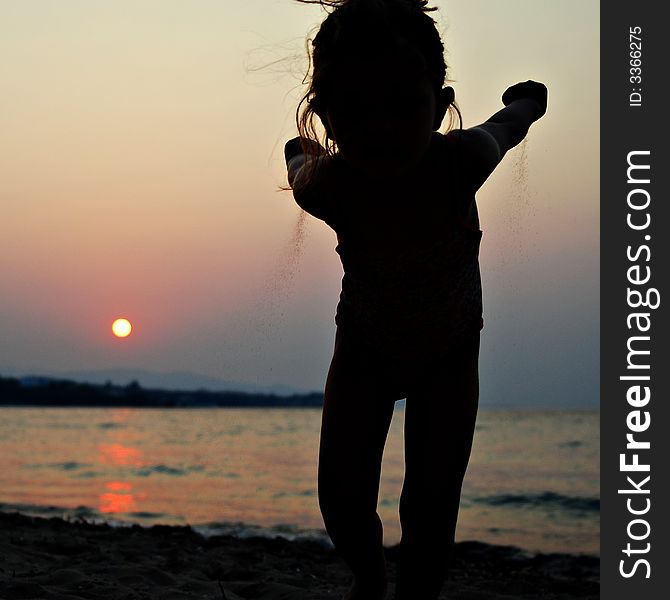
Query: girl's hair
[[360, 28]]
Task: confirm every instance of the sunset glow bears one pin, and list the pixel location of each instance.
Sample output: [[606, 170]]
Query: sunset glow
[[121, 328]]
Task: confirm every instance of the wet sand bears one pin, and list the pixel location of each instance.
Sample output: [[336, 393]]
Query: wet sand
[[53, 559]]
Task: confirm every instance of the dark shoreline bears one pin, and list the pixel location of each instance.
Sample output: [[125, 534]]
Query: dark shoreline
[[54, 559], [50, 392]]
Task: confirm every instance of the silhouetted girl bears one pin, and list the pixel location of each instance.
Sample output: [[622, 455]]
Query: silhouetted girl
[[401, 198]]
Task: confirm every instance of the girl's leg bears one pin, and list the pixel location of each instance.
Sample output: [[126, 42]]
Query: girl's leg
[[356, 419], [439, 427]]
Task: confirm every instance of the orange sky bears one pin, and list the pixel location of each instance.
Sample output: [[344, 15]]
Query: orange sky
[[140, 160]]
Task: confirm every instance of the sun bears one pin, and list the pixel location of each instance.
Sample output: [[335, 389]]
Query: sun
[[121, 328]]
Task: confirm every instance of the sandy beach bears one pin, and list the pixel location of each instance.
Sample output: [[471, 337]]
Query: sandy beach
[[53, 559]]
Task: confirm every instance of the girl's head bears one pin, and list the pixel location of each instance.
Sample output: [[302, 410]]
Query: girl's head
[[376, 85]]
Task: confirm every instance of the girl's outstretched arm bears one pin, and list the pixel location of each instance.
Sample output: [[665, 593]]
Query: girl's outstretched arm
[[524, 104], [486, 144]]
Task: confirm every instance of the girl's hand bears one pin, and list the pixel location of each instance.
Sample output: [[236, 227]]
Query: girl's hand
[[530, 90], [300, 145]]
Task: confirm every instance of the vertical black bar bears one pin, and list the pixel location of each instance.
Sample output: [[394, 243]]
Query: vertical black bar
[[635, 539]]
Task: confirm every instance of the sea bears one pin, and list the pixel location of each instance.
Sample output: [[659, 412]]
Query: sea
[[533, 479]]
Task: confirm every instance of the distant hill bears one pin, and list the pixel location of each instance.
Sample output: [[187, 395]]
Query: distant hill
[[172, 380], [47, 391]]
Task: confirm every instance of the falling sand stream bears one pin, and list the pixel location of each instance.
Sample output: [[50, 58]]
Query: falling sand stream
[[269, 311], [519, 207]]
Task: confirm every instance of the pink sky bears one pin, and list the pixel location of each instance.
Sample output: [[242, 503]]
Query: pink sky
[[140, 160]]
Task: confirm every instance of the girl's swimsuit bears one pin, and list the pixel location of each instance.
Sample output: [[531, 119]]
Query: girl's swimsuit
[[411, 289]]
